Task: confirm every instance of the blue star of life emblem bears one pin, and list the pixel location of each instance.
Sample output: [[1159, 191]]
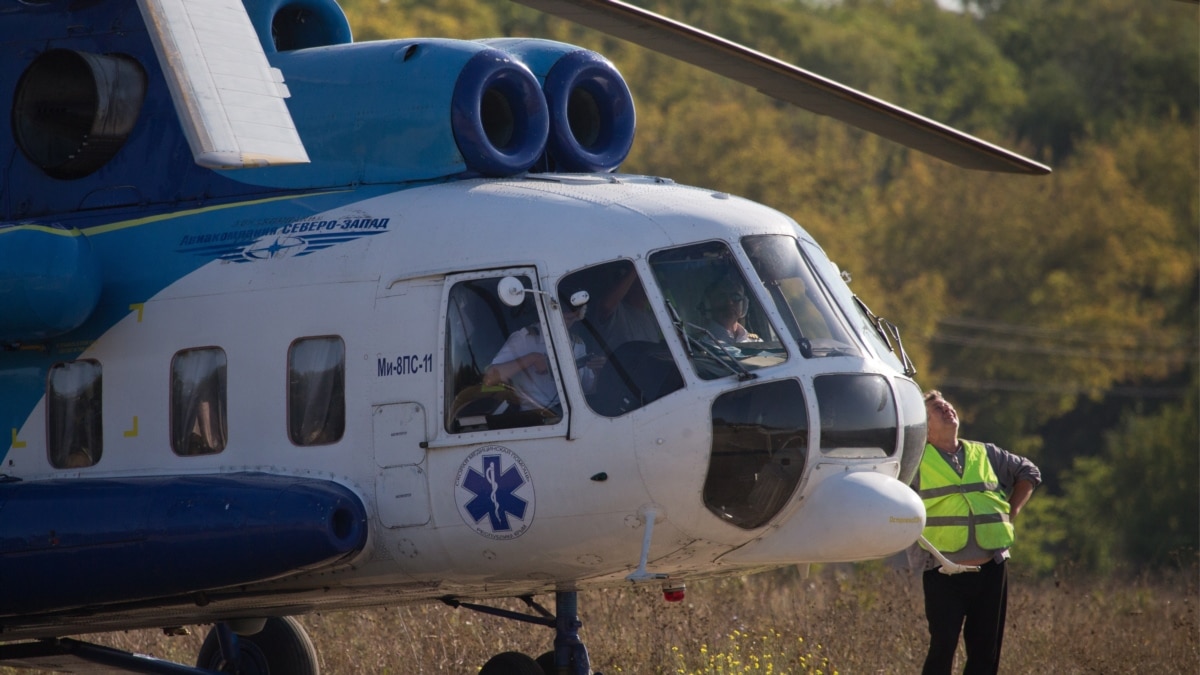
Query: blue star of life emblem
[[494, 493]]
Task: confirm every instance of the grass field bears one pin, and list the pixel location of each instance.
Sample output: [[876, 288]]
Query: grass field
[[840, 619]]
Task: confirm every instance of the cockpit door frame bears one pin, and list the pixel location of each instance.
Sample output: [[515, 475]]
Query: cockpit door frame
[[440, 436]]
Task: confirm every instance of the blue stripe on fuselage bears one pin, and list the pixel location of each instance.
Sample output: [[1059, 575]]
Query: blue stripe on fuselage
[[139, 257]]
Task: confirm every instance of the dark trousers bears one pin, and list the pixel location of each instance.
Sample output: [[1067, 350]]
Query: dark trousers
[[980, 599]]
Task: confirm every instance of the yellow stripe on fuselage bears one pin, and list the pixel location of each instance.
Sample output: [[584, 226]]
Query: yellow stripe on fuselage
[[138, 222]]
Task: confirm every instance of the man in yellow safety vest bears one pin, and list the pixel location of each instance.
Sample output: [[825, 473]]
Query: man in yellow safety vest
[[972, 492]]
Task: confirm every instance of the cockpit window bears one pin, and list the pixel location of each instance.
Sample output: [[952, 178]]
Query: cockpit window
[[808, 313], [858, 415], [498, 369], [624, 343], [716, 311], [868, 324], [760, 442]]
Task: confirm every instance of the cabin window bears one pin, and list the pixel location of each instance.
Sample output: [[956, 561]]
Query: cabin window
[[498, 371], [806, 307], [716, 310], [624, 343], [199, 421], [317, 390], [75, 430]]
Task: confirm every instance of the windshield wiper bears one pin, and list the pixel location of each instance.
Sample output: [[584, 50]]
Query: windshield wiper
[[894, 330], [720, 355], [890, 333]]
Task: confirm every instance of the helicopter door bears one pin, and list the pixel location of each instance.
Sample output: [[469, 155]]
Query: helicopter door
[[400, 487]]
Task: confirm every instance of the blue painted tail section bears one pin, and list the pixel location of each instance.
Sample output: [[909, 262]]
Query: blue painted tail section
[[138, 253]]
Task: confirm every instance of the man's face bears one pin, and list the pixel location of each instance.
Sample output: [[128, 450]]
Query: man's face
[[943, 419], [730, 302]]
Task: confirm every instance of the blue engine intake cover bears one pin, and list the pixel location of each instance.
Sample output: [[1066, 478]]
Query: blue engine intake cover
[[49, 281]]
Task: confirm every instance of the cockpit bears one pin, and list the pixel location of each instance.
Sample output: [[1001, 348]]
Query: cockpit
[[702, 314]]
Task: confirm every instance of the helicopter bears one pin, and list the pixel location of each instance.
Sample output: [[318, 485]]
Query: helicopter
[[290, 322]]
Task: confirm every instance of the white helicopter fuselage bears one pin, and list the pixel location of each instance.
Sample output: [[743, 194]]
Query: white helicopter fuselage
[[581, 488]]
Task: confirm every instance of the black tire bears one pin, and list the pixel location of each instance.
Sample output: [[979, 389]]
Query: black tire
[[280, 648], [511, 663], [546, 662]]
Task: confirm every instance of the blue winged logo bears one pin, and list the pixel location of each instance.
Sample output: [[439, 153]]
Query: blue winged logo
[[293, 240]]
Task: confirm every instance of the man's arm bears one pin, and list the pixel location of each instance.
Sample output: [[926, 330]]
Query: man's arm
[[498, 373], [1021, 493], [1012, 469]]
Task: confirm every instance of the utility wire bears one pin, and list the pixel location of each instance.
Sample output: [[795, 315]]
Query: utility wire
[[1176, 355], [1012, 385], [1072, 334]]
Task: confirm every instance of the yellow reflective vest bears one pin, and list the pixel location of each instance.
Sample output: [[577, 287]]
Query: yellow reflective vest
[[953, 502]]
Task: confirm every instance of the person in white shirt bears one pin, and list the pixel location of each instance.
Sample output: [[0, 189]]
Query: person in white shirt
[[522, 361], [727, 306]]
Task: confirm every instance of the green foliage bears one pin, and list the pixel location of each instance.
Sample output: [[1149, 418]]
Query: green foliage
[[1041, 534], [1087, 516], [1090, 65], [1154, 461], [1135, 504], [1059, 287]]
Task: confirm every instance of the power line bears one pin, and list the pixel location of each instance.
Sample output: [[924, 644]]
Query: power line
[[1060, 388], [1173, 356], [1103, 336]]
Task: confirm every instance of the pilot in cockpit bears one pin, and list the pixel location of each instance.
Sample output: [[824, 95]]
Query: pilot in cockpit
[[522, 361], [727, 305]]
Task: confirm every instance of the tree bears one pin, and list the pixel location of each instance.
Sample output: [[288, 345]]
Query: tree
[[1089, 65], [1139, 502]]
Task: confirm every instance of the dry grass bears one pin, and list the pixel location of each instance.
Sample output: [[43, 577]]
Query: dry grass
[[864, 619]]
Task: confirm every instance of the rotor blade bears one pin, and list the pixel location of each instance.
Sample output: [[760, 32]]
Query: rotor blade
[[228, 97], [787, 82]]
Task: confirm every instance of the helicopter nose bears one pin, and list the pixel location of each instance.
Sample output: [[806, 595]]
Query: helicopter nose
[[852, 507], [850, 515]]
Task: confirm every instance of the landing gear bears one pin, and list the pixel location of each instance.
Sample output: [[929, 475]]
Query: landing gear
[[569, 657], [281, 647]]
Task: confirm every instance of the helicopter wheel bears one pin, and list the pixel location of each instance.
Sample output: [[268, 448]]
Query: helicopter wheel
[[280, 648], [546, 661], [511, 663]]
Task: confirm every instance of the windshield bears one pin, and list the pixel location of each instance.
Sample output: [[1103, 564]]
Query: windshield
[[715, 311], [867, 324], [807, 311]]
